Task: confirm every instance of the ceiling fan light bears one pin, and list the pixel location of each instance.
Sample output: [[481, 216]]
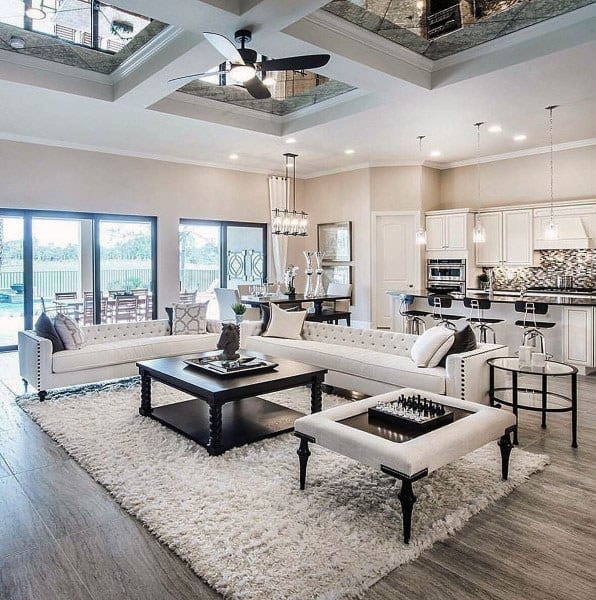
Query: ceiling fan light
[[242, 73], [35, 14]]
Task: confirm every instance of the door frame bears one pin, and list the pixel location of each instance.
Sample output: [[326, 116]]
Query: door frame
[[373, 254]]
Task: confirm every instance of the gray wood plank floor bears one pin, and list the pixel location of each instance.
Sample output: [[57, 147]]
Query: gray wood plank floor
[[62, 537]]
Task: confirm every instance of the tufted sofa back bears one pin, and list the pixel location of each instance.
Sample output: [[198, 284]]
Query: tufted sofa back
[[112, 332], [373, 339]]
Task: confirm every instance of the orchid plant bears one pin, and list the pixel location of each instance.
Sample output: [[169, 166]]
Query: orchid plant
[[290, 274]]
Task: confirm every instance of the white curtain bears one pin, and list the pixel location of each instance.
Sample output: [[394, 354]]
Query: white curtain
[[279, 243]]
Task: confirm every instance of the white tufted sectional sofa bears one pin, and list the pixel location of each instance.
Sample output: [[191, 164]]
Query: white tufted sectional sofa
[[374, 362], [111, 351]]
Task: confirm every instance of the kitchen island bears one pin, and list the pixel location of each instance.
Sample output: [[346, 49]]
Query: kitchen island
[[572, 340]]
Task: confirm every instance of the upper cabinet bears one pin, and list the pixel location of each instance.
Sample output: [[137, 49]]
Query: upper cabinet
[[447, 231], [509, 239], [518, 238], [490, 252]]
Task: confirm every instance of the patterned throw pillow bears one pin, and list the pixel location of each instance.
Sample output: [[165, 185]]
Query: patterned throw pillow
[[70, 333], [190, 318]]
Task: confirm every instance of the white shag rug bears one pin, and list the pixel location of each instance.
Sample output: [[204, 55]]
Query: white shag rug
[[240, 519]]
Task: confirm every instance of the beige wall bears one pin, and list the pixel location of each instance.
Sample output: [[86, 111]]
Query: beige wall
[[521, 180], [42, 177]]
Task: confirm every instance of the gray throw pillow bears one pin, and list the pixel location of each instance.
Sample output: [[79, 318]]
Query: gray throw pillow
[[44, 327], [190, 318]]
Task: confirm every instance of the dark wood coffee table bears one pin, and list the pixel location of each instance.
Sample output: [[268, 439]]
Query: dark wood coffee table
[[226, 413]]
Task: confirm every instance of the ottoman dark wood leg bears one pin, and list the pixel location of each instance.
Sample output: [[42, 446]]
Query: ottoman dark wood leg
[[303, 454], [145, 408], [407, 498], [505, 446]]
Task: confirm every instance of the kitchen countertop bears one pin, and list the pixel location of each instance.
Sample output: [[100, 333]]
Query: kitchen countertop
[[509, 298]]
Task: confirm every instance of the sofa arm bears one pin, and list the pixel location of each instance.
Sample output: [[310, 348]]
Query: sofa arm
[[468, 372], [35, 359], [249, 328]]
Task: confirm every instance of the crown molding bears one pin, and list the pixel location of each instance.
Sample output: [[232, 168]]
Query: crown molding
[[517, 154], [10, 137], [146, 52]]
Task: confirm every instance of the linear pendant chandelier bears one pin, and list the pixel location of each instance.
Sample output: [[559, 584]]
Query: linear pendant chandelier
[[289, 221]]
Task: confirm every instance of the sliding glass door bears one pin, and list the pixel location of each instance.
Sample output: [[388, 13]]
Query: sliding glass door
[[95, 268], [12, 283], [127, 270], [62, 266], [221, 254]]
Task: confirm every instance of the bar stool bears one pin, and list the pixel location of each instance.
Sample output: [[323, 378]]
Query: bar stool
[[413, 320], [531, 327], [480, 322], [438, 303]]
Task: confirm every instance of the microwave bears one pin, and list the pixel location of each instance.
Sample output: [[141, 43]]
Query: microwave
[[445, 270]]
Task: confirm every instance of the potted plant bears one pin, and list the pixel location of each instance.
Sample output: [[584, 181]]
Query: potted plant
[[239, 310]]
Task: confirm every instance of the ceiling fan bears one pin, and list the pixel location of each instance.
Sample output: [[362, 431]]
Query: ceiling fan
[[244, 66]]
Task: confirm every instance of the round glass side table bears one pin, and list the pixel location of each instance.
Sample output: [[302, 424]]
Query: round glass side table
[[538, 400]]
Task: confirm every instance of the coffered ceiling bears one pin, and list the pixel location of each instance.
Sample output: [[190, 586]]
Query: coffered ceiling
[[374, 97]]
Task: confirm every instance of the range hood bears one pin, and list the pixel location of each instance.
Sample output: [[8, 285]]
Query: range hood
[[572, 234]]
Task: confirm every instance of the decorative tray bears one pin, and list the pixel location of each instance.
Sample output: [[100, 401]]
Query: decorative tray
[[230, 368], [412, 412]]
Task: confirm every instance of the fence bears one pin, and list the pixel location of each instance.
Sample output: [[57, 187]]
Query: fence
[[47, 283]]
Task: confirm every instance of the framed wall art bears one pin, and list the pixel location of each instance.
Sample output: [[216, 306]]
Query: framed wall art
[[337, 274], [335, 240]]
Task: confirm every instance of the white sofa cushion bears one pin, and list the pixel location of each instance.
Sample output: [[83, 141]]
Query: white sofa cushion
[[130, 350], [430, 348], [285, 323], [362, 362]]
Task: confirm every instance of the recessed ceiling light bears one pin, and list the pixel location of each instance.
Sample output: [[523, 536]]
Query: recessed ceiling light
[[495, 129], [349, 151], [520, 137], [17, 43], [435, 153], [291, 141], [233, 157]]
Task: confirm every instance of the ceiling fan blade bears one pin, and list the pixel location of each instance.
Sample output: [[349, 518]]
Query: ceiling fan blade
[[223, 45], [295, 63], [257, 89], [187, 78]]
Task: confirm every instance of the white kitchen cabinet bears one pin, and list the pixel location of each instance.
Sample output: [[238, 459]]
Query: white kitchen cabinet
[[490, 252], [447, 232], [578, 335], [518, 238], [435, 237]]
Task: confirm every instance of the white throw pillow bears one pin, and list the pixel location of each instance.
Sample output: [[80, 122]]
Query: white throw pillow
[[189, 318], [285, 324], [432, 345], [70, 333]]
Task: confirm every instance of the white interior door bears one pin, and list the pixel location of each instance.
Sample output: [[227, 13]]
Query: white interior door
[[396, 262]]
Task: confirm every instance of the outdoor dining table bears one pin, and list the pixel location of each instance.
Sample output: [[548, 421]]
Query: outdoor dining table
[[297, 299]]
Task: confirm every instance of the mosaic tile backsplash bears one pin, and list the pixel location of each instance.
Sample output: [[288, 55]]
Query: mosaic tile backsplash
[[581, 264]]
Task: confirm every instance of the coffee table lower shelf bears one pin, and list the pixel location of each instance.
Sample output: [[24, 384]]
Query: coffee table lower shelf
[[243, 421]]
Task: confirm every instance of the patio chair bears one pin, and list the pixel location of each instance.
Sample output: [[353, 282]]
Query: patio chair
[[88, 308], [125, 309], [187, 297]]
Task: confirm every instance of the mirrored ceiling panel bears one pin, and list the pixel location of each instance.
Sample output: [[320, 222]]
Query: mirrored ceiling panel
[[439, 28]]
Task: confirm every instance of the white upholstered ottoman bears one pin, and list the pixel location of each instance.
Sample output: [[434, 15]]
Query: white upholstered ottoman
[[347, 430]]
